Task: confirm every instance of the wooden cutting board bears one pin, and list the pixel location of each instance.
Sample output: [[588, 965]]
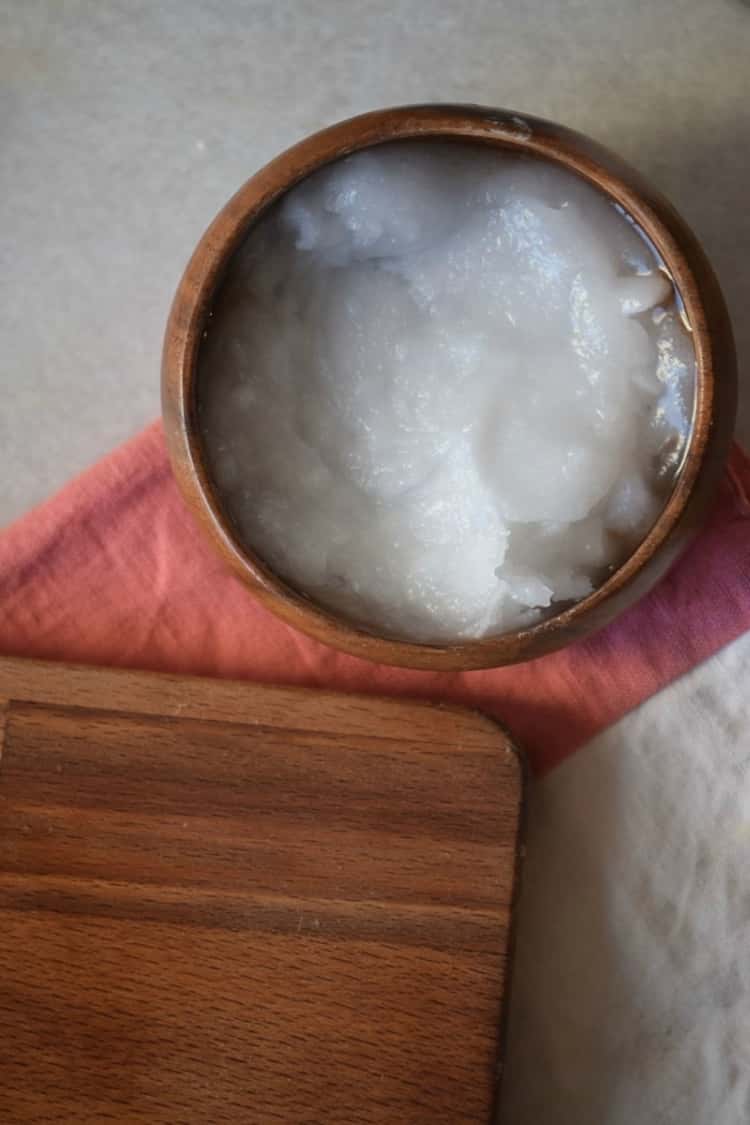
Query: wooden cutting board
[[221, 902]]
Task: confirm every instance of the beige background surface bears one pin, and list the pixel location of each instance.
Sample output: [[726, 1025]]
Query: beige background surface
[[125, 125]]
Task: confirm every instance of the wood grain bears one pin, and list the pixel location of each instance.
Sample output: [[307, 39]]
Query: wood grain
[[228, 903], [716, 384]]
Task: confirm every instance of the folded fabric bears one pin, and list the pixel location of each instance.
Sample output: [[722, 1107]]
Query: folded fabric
[[113, 571]]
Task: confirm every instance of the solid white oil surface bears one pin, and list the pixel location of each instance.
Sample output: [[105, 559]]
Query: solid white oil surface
[[445, 390]]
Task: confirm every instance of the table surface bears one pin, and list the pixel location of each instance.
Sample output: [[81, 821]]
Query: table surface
[[126, 125]]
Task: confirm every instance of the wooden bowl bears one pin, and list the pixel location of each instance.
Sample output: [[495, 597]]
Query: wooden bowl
[[712, 336]]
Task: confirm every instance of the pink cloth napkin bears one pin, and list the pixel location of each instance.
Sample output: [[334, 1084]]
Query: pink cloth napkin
[[113, 571]]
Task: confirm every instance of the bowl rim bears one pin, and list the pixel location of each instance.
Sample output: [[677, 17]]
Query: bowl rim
[[506, 129]]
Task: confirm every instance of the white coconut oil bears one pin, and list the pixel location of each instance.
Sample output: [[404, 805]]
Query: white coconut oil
[[445, 389]]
